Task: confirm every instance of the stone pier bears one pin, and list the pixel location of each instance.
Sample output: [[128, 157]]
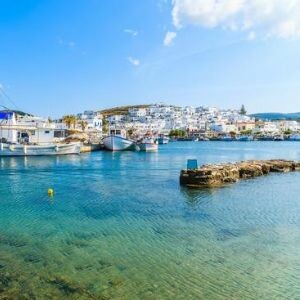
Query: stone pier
[[217, 175]]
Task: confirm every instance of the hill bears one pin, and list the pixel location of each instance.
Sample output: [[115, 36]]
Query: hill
[[121, 110], [277, 116]]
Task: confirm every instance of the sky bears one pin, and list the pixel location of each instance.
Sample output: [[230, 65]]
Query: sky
[[63, 57]]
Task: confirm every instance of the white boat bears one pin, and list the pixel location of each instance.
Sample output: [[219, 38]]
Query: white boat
[[245, 138], [31, 136], [117, 141], [295, 137], [278, 138], [228, 138], [148, 144], [38, 150], [163, 140]]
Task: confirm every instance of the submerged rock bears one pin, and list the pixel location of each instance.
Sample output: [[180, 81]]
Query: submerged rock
[[217, 175]]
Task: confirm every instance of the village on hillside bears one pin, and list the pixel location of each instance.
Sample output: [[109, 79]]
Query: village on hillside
[[181, 123]]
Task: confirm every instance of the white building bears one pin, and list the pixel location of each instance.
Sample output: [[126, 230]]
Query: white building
[[268, 128], [94, 120], [114, 119], [137, 112]]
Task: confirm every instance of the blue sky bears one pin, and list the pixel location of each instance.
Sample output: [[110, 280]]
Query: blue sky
[[62, 56]]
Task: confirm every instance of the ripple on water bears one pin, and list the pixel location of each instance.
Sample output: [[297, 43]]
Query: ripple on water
[[120, 227]]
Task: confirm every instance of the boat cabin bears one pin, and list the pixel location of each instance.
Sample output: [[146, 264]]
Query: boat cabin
[[27, 131], [118, 132]]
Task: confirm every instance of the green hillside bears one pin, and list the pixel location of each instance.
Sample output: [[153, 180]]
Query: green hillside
[[121, 110]]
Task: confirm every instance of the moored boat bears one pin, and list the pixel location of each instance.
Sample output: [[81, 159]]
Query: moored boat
[[117, 141], [265, 138], [26, 135], [245, 138], [203, 139], [278, 138], [228, 138], [148, 144], [163, 140], [187, 139], [38, 150], [295, 137]]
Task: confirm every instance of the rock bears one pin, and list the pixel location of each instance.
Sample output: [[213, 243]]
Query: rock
[[218, 175]]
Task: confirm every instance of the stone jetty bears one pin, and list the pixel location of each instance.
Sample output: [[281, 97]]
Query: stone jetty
[[208, 176]]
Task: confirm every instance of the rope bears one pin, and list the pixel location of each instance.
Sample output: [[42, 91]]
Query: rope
[[8, 98]]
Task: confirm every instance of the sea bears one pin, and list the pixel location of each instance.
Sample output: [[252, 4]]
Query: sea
[[119, 226]]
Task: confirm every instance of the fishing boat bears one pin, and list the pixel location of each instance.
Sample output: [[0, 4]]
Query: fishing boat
[[295, 137], [187, 139], [117, 141], [148, 144], [7, 149], [228, 138], [204, 139], [245, 138], [30, 136], [266, 138], [163, 140], [278, 138]]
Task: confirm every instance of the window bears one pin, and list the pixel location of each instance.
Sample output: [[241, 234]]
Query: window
[[47, 132], [58, 133], [24, 135]]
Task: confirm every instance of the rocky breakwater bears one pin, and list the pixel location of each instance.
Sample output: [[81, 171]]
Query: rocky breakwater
[[208, 176]]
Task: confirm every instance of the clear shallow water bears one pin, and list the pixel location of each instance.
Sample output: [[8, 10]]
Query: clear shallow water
[[120, 227]]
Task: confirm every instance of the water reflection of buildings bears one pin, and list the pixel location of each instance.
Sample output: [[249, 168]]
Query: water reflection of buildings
[[37, 162]]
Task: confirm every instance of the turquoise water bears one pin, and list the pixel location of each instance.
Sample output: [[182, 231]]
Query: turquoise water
[[121, 227]]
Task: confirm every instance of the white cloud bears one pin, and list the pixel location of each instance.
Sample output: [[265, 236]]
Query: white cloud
[[267, 18], [134, 61], [170, 36], [131, 32]]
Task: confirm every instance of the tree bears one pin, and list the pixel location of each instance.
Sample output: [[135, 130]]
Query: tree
[[70, 120], [104, 125], [177, 133], [83, 124], [246, 132], [288, 132], [243, 110]]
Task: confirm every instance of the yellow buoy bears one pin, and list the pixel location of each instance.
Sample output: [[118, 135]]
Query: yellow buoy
[[50, 192]]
